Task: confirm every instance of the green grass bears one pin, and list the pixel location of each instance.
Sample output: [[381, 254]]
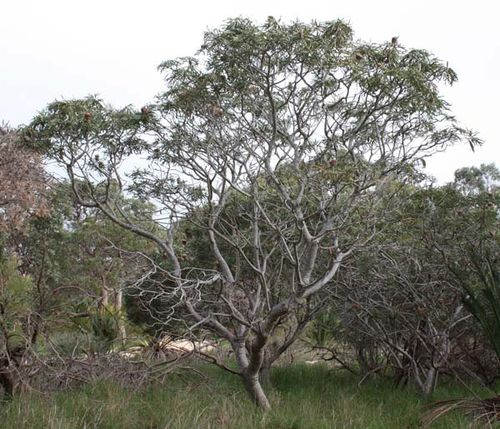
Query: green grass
[[302, 397]]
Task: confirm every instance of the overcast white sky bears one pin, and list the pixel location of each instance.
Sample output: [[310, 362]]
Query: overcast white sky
[[65, 49]]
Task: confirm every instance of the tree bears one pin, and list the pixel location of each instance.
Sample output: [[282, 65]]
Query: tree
[[109, 260], [275, 143], [400, 309], [482, 299], [23, 182], [400, 300], [473, 180], [23, 198], [84, 262]]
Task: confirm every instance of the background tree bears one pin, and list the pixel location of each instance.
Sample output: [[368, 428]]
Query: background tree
[[400, 301], [23, 198], [23, 182], [90, 263]]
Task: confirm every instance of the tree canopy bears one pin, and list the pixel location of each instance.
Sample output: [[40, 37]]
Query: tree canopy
[[283, 146]]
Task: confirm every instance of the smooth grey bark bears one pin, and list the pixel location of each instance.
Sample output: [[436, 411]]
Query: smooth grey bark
[[254, 388], [430, 382], [427, 382], [250, 358], [122, 330]]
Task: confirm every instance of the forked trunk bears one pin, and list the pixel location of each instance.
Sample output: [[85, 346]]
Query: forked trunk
[[254, 389], [429, 386]]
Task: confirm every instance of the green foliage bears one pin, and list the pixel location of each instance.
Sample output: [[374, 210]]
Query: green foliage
[[474, 180], [88, 117], [70, 342], [15, 288], [104, 328], [325, 327], [16, 296], [483, 299]]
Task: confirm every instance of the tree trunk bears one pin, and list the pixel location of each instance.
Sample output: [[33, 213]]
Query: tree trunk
[[271, 354], [265, 374], [7, 383], [430, 382], [255, 391], [122, 331], [104, 298], [426, 380], [250, 371]]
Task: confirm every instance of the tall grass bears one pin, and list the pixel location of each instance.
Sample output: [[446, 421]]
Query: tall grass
[[302, 397]]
